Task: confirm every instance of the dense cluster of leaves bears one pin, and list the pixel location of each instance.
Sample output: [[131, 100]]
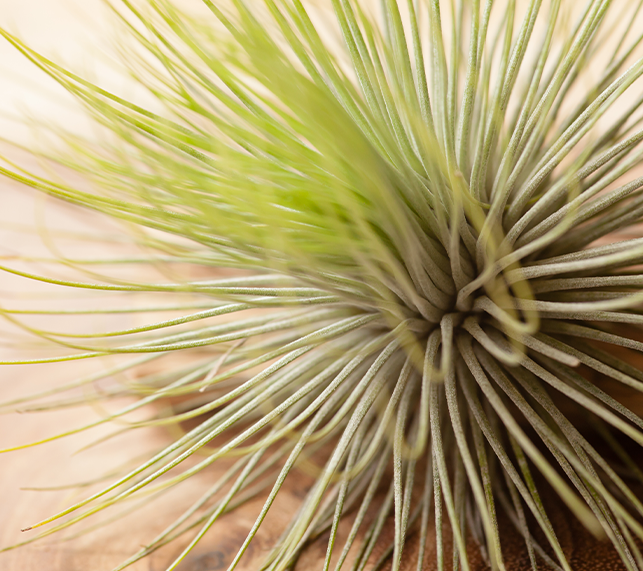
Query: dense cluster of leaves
[[425, 211]]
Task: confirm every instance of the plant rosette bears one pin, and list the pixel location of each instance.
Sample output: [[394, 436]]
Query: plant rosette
[[416, 225]]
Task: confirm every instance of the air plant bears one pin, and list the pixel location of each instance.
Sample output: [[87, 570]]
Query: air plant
[[412, 222]]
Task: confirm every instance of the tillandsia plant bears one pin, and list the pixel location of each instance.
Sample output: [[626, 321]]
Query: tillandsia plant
[[414, 221]]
